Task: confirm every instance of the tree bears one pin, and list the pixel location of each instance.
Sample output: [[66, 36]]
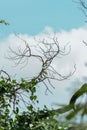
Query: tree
[[12, 92], [45, 118]]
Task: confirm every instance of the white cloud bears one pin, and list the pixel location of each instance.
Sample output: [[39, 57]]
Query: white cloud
[[78, 56]]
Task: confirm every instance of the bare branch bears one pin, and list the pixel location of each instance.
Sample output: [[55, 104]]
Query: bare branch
[[85, 42], [47, 50], [82, 5]]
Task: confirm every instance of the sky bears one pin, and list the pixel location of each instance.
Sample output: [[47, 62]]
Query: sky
[[32, 16], [38, 18]]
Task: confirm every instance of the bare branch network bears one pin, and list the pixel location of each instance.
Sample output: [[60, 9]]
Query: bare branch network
[[47, 50]]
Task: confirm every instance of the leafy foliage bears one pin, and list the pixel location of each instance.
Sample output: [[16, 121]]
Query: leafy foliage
[[78, 93], [32, 119]]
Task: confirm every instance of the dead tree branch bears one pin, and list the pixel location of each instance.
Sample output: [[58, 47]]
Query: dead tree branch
[[82, 6], [47, 50]]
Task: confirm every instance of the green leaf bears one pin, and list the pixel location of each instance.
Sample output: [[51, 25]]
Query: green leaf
[[4, 22], [30, 108], [33, 97], [14, 81], [7, 111], [17, 110], [72, 114], [63, 109], [78, 93]]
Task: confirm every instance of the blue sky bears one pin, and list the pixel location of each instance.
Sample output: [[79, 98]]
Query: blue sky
[[32, 16]]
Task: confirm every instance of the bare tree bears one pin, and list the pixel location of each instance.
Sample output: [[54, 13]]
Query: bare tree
[[48, 49]]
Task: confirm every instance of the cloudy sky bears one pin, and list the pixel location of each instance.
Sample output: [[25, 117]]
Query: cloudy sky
[[38, 18]]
